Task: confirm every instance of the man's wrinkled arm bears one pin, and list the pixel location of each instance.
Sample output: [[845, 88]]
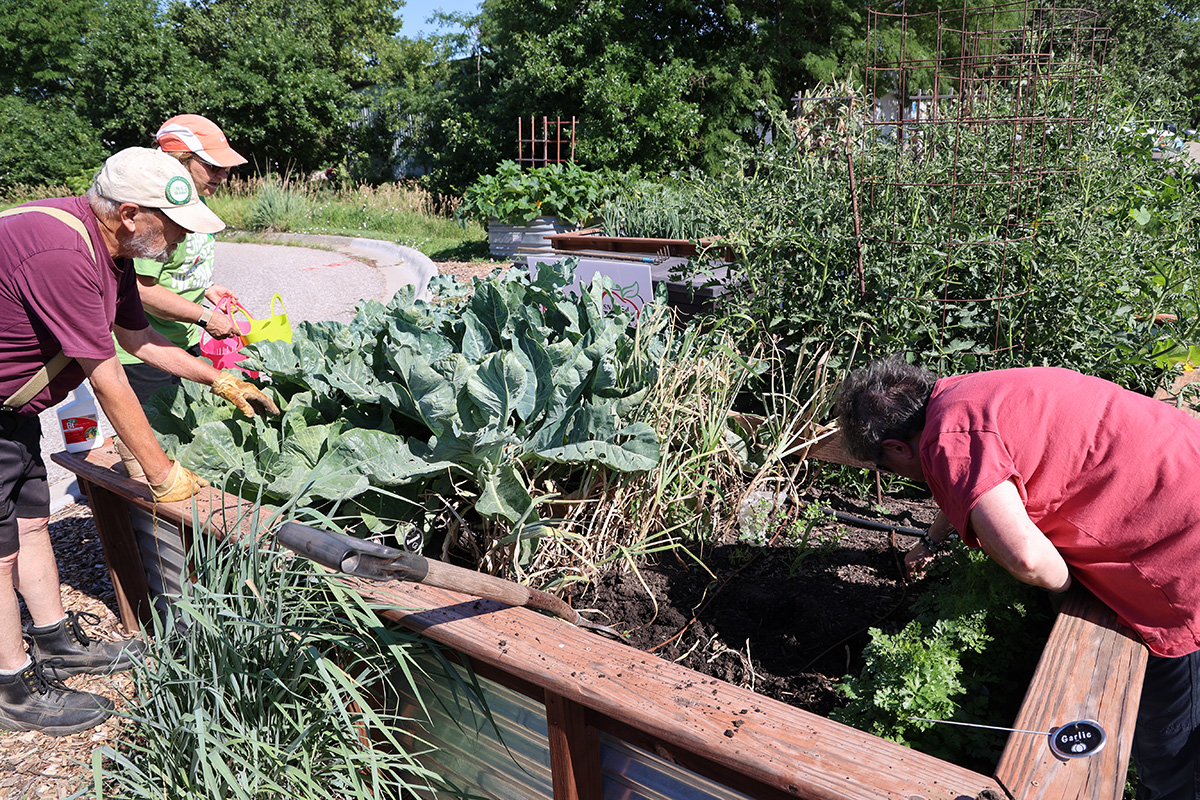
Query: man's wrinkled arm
[[163, 303], [1008, 535], [121, 406], [156, 350]]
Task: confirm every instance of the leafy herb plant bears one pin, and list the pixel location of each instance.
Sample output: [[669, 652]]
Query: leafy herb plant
[[266, 679], [967, 656]]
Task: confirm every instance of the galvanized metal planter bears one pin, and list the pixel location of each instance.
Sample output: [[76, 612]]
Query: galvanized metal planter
[[505, 240], [163, 551], [504, 750]]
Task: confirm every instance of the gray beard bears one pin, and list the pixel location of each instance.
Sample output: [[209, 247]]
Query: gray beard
[[140, 247]]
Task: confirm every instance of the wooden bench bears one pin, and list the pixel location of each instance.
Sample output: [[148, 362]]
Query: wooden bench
[[1091, 669]]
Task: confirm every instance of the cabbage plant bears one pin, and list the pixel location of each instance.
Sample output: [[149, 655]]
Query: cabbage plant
[[472, 400]]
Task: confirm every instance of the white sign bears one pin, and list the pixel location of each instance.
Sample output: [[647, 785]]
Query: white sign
[[632, 285]]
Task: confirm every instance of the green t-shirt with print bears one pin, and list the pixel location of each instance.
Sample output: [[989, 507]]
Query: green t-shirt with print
[[187, 274]]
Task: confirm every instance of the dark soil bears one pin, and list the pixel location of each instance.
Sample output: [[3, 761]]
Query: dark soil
[[784, 621]]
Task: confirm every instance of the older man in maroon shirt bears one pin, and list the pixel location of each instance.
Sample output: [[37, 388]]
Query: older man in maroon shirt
[[66, 287]]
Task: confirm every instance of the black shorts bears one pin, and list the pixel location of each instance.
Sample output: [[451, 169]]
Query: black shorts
[[24, 489]]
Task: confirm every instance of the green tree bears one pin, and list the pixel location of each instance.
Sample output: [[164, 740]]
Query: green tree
[[667, 83], [590, 60], [285, 75], [131, 73], [661, 85], [410, 96], [1156, 51], [44, 143], [38, 42], [752, 57], [288, 80]]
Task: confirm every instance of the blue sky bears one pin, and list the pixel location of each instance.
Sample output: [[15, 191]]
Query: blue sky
[[415, 12]]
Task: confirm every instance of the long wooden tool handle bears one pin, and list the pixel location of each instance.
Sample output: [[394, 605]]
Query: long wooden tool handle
[[457, 579], [448, 576], [367, 559]]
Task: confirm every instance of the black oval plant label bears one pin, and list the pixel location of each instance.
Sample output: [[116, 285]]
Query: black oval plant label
[[414, 540], [1077, 739]]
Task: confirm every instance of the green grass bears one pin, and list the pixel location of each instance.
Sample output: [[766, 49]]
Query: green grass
[[403, 213]]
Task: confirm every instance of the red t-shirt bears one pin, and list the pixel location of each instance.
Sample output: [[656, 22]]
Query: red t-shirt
[[1110, 476], [54, 296]]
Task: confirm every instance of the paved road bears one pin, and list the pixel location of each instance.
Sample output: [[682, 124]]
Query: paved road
[[323, 280]]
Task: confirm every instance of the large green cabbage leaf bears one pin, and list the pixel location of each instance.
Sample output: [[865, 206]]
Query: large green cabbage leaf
[[475, 394]]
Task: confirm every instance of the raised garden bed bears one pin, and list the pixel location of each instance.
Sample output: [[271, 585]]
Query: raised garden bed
[[691, 288], [591, 241], [612, 711], [1176, 393]]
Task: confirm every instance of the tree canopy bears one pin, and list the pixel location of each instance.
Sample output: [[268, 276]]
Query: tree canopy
[[283, 78], [658, 85]]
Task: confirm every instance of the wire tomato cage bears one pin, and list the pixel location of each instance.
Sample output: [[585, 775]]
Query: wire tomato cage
[[970, 122]]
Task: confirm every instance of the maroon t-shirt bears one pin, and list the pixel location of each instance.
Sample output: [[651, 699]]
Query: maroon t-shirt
[[54, 296], [1110, 476]]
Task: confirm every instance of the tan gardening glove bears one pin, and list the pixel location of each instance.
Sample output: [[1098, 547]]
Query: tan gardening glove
[[180, 484], [242, 394]]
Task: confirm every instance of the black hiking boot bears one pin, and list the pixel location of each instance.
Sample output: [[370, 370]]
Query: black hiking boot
[[31, 700], [69, 651]]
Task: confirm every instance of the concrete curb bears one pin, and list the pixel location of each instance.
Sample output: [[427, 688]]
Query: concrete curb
[[401, 266]]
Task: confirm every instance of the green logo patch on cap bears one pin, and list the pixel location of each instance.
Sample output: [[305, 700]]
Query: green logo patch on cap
[[179, 191]]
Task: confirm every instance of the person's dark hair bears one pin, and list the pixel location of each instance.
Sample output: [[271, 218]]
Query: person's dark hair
[[884, 400]]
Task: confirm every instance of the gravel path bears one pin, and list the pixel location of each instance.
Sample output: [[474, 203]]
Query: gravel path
[[34, 765]]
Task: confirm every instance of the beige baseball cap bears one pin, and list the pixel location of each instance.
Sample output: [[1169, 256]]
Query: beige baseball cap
[[153, 179]]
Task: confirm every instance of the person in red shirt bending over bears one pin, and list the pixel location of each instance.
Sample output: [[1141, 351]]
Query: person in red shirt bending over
[[1062, 477]]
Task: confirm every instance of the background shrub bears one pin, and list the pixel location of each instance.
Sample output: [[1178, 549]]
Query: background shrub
[[44, 143]]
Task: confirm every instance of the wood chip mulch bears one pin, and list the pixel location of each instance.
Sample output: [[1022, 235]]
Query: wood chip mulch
[[34, 765], [466, 270]]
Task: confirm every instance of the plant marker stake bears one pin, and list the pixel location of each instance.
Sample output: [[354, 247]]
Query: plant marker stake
[[1077, 739]]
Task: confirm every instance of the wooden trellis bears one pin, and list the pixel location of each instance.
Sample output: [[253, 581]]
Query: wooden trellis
[[554, 143]]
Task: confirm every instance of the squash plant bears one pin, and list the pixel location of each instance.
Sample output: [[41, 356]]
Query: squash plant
[[517, 196], [477, 397]]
